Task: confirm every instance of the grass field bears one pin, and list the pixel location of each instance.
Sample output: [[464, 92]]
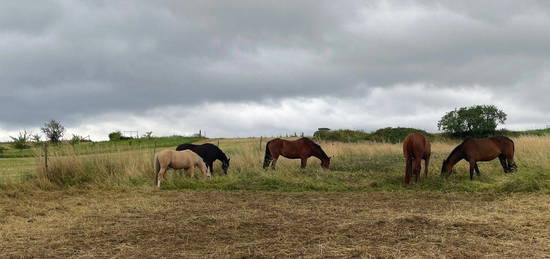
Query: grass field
[[103, 204], [98, 147]]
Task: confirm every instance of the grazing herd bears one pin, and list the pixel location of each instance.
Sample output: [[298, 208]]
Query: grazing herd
[[416, 147]]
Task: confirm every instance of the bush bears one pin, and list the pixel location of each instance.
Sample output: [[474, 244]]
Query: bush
[[114, 136], [117, 135], [342, 135], [390, 135], [395, 135], [21, 142]]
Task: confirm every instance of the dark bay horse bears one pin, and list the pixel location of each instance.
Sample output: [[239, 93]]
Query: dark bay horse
[[209, 153], [484, 149], [416, 147], [302, 148]]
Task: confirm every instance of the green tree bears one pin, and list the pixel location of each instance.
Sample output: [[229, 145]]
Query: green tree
[[115, 135], [21, 142], [475, 121], [54, 131]]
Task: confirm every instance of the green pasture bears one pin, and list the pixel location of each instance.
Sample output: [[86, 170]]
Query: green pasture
[[368, 174], [98, 147], [355, 167]]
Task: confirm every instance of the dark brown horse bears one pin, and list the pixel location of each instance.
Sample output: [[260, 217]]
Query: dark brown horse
[[298, 149], [484, 149], [416, 147]]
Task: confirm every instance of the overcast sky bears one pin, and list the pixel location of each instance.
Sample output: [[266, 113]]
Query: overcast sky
[[251, 68]]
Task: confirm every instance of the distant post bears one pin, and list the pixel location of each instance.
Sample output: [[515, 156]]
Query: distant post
[[46, 156]]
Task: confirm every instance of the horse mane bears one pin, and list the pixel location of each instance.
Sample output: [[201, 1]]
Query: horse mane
[[317, 146], [457, 148]]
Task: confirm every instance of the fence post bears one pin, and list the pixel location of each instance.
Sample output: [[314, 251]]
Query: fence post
[[218, 142], [46, 156]]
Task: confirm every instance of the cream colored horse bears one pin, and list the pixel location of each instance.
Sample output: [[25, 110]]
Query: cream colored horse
[[185, 159]]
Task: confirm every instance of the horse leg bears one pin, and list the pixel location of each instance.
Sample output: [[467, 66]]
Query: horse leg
[[504, 164], [408, 170], [472, 168], [160, 175], [426, 164], [210, 167], [417, 168], [274, 161], [477, 171], [192, 171], [511, 164], [304, 163]]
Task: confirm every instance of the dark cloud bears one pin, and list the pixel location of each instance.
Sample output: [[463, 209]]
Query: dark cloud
[[79, 60]]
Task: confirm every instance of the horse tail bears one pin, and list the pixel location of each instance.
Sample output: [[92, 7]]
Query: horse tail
[[157, 168], [268, 157]]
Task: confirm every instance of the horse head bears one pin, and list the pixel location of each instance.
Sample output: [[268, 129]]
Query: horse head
[[446, 168], [325, 163], [225, 165]]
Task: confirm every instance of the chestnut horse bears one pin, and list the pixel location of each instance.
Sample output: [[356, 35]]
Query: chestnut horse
[[484, 149], [416, 147], [302, 149]]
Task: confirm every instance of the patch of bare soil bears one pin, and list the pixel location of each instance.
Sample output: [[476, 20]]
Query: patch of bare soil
[[220, 224]]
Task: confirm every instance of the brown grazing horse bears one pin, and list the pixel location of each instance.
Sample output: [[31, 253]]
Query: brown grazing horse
[[484, 149], [302, 148], [416, 147]]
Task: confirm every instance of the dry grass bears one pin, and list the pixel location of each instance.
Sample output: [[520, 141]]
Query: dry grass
[[195, 224]]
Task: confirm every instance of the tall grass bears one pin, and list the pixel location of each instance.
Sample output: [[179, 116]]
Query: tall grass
[[359, 167], [67, 168]]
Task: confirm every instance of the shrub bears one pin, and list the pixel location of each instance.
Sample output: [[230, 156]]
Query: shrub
[[390, 135], [114, 136], [395, 135], [342, 135], [21, 142]]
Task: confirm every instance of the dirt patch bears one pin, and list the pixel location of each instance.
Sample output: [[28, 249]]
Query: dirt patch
[[219, 224]]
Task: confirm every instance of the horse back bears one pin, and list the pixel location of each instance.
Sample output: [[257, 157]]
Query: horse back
[[292, 149], [416, 144], [186, 146], [486, 149], [185, 159], [505, 144]]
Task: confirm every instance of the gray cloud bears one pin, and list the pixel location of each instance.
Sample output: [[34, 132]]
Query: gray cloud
[[74, 61]]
